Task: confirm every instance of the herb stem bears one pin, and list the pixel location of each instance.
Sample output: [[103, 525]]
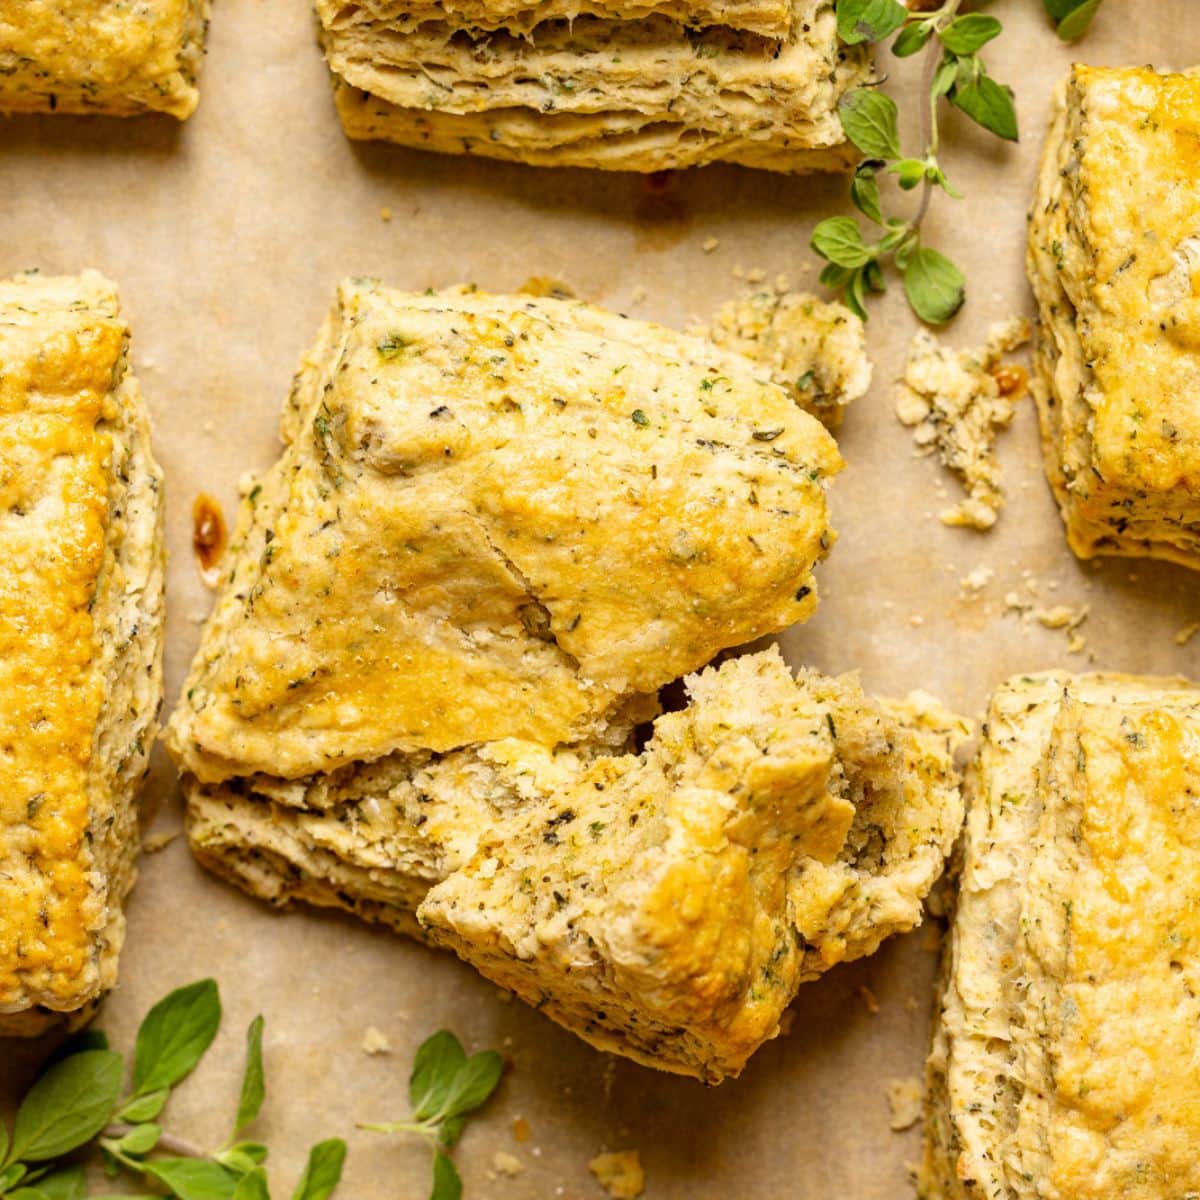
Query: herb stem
[[167, 1141]]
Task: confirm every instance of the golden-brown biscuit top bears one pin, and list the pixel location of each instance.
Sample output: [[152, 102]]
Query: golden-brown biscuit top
[[60, 344], [497, 516], [100, 56], [1123, 882], [1139, 214]]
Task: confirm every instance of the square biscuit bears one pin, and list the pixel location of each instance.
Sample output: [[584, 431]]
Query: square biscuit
[[1067, 1027], [81, 619], [1114, 255], [95, 56], [644, 94]]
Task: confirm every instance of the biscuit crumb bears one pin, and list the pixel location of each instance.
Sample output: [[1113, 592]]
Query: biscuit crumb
[[375, 1041], [814, 349], [905, 1097], [522, 1131], [1186, 634], [620, 1174], [158, 841], [977, 579], [869, 999], [507, 1164], [710, 244], [385, 213], [956, 402]]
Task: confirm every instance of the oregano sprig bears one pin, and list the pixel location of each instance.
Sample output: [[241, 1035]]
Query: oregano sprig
[[79, 1099], [1071, 17], [444, 1088], [955, 73]]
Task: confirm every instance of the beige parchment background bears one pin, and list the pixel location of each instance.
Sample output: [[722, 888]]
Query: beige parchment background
[[227, 237]]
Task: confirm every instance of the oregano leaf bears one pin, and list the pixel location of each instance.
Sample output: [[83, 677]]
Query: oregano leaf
[[864, 193], [323, 1171], [446, 1182], [253, 1080], [934, 285], [67, 1106], [193, 1178], [840, 241], [970, 32], [988, 104], [435, 1065], [870, 121], [174, 1036], [912, 39], [868, 20], [1075, 24]]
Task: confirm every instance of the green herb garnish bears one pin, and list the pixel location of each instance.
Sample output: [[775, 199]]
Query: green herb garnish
[[955, 72], [445, 1086], [1071, 17], [79, 1099]]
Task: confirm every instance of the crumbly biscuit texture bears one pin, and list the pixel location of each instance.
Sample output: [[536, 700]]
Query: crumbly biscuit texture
[[814, 349], [81, 578]]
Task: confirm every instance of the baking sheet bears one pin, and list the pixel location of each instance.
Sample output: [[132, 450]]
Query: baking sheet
[[227, 237]]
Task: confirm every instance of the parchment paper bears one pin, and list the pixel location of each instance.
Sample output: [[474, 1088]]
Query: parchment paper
[[227, 237]]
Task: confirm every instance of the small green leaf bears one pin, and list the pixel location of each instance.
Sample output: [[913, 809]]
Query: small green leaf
[[323, 1171], [450, 1131], [254, 1086], [864, 192], [869, 119], [856, 295], [966, 34], [934, 285], [12, 1175], [192, 1178], [989, 104], [873, 277], [240, 1164], [909, 171], [446, 1183], [475, 1081], [70, 1183], [944, 77], [868, 20], [67, 1106], [939, 177], [175, 1035], [833, 276], [1075, 23], [141, 1139], [252, 1186], [144, 1108], [840, 240], [435, 1065], [912, 39]]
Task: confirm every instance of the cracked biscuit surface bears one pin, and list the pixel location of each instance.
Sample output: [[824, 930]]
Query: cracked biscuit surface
[[81, 609], [500, 525]]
